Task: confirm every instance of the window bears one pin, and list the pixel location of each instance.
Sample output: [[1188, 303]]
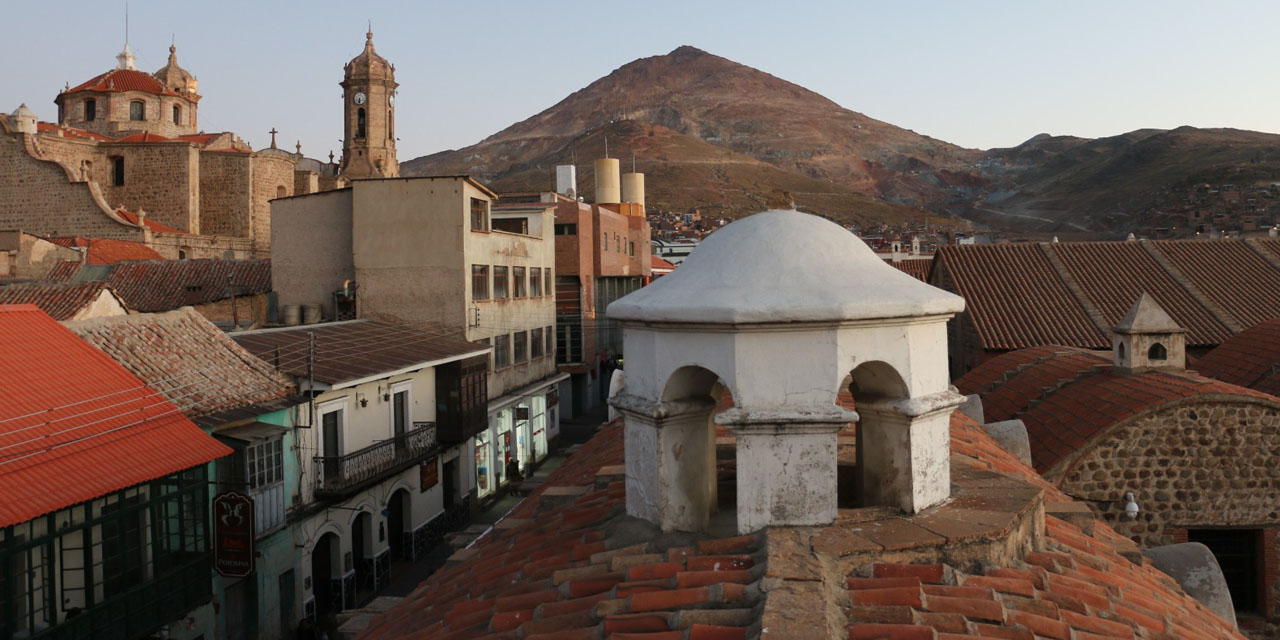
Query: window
[[566, 229], [331, 445], [604, 242], [1157, 352], [517, 275], [177, 114], [522, 346], [400, 414], [1238, 553], [546, 282], [264, 474], [391, 125], [632, 245], [90, 110], [536, 345], [479, 215], [499, 283], [535, 281], [117, 171], [137, 110], [486, 342], [360, 123], [479, 282], [617, 241], [501, 351], [549, 335], [281, 191]]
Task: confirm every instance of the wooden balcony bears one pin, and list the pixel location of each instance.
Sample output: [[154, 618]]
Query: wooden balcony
[[339, 476]]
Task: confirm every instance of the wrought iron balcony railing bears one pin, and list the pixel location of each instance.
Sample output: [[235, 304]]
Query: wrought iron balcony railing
[[340, 475]]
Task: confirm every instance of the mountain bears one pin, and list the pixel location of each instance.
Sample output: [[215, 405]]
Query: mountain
[[1120, 183], [709, 131]]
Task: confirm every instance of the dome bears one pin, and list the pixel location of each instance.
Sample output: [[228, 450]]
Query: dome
[[23, 111], [369, 62], [783, 266]]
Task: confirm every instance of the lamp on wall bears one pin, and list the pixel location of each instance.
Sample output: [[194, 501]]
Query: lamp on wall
[[363, 399], [1130, 506]]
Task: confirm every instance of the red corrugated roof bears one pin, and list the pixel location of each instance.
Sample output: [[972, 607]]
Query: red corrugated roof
[[144, 137], [108, 251], [1230, 273], [74, 425], [49, 127], [659, 263], [164, 285], [918, 269], [123, 80]]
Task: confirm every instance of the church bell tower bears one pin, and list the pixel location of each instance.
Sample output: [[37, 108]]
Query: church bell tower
[[369, 116]]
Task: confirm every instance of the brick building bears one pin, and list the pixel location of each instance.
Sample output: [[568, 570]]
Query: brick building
[[1196, 454]]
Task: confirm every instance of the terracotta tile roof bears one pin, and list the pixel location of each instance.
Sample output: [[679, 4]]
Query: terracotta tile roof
[[108, 251], [1025, 295], [199, 138], [75, 425], [1231, 274], [72, 132], [63, 271], [1250, 358], [1095, 266], [561, 566], [189, 360], [144, 137], [658, 263], [123, 80], [1067, 396], [132, 218], [354, 349], [918, 269], [1016, 298], [164, 285], [62, 301]]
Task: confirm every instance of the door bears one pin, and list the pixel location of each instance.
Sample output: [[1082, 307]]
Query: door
[[331, 429], [395, 523], [451, 483], [242, 609], [400, 417], [288, 614], [322, 575]]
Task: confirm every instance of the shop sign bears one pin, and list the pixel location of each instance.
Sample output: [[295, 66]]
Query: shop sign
[[233, 534], [428, 474]]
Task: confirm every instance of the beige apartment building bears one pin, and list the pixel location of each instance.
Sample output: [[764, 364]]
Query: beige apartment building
[[427, 253]]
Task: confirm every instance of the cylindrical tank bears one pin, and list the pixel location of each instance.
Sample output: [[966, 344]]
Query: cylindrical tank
[[633, 188], [310, 313], [607, 191], [292, 315]]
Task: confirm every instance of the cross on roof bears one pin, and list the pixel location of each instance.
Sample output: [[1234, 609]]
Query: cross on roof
[[273, 133]]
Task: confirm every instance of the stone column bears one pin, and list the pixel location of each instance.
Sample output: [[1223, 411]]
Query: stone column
[[786, 465], [904, 450], [670, 461]]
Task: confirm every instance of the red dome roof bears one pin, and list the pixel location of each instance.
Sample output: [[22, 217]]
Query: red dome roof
[[124, 80]]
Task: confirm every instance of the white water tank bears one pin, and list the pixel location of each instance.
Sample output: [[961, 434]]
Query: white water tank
[[567, 180]]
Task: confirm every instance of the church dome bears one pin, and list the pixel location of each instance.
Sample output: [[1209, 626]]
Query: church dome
[[783, 266], [369, 62], [175, 78]]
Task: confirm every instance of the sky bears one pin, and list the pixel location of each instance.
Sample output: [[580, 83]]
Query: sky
[[978, 74]]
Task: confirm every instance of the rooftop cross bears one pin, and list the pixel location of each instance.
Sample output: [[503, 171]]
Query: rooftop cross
[[273, 133]]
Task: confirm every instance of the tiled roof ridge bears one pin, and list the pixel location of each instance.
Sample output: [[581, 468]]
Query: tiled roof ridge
[[1247, 358], [1086, 303], [1256, 245], [1053, 352], [1046, 392], [1219, 313], [60, 300]]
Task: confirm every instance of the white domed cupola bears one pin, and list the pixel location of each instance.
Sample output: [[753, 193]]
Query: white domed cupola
[[780, 308]]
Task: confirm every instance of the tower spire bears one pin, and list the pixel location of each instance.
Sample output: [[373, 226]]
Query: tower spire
[[124, 59]]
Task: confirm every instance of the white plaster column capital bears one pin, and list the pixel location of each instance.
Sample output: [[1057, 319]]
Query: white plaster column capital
[[908, 409], [786, 419], [656, 411]]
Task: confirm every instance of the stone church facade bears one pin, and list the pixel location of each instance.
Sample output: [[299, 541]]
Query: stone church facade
[[127, 160]]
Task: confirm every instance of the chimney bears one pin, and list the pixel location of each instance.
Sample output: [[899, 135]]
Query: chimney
[[607, 190], [1147, 338], [567, 181]]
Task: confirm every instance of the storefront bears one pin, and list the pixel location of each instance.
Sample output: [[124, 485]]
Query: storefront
[[521, 429]]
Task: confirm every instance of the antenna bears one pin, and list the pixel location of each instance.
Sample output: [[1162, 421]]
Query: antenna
[[126, 24]]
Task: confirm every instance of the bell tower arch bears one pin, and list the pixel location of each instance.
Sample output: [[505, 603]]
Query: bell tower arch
[[368, 108]]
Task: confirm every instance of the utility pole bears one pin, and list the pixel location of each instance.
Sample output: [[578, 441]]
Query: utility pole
[[311, 376]]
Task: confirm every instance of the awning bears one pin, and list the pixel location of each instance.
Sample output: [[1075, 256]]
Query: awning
[[252, 432]]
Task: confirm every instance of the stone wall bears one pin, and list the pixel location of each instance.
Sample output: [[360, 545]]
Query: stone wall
[[272, 178], [180, 245], [159, 177], [38, 197], [112, 117], [226, 180], [1198, 465]]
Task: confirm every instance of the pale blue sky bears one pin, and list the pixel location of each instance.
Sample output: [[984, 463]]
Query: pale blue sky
[[978, 74]]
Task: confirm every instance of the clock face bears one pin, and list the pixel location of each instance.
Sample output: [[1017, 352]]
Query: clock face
[[359, 97], [391, 101]]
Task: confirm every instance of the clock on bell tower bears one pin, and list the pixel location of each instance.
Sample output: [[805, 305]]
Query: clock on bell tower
[[369, 116]]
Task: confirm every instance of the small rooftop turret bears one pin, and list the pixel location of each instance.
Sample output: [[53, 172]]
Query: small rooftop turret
[[1147, 338]]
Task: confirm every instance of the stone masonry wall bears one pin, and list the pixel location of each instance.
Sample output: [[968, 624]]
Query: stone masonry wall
[[225, 185], [1194, 466], [159, 177], [38, 197], [272, 178]]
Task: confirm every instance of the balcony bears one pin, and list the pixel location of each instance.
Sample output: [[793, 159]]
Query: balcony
[[338, 476]]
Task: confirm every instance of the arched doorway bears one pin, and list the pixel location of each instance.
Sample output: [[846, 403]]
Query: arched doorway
[[325, 576], [399, 514], [361, 550]]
